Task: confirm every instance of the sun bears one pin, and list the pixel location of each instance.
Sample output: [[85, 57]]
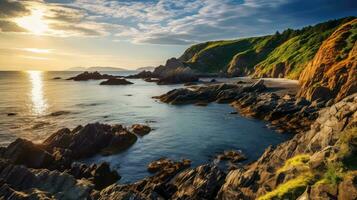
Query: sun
[[34, 22]]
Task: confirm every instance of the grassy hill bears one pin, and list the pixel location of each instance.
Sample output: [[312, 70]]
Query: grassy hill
[[280, 55]]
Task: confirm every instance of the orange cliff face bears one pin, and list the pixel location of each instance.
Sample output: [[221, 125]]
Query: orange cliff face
[[332, 74]]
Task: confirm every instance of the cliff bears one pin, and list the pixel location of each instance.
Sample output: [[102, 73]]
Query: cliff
[[332, 74], [283, 54]]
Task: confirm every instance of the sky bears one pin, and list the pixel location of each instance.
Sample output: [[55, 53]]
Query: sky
[[59, 34]]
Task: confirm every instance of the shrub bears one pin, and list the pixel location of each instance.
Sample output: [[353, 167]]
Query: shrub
[[290, 189], [296, 161]]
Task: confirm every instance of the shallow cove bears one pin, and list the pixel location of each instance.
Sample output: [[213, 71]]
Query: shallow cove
[[43, 105]]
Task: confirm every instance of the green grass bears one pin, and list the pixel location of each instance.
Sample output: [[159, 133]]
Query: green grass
[[295, 48], [294, 162], [290, 189]]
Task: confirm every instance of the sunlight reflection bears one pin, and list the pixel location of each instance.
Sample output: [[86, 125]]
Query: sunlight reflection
[[38, 101]]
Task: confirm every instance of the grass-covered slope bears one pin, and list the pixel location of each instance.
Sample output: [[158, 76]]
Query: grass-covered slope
[[279, 55]]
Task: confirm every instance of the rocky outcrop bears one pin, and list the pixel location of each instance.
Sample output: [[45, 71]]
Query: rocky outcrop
[[165, 164], [116, 81], [171, 64], [143, 74], [332, 72], [19, 182], [202, 182], [177, 76], [24, 152], [140, 129], [297, 163], [86, 141], [287, 113], [232, 155], [85, 76]]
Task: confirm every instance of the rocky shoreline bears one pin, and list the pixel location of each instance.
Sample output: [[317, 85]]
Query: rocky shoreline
[[286, 113], [49, 170]]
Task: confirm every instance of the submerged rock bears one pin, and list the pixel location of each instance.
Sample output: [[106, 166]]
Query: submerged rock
[[58, 113], [165, 164], [85, 76], [232, 155], [116, 81]]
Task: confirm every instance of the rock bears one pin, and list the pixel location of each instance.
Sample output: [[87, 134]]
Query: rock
[[328, 64], [213, 80], [24, 152], [85, 76], [151, 80], [116, 81], [143, 74], [11, 114], [103, 176], [190, 84], [140, 129], [165, 164], [59, 113], [91, 139], [201, 103], [241, 82], [26, 182], [301, 101], [57, 78], [258, 86], [232, 155], [202, 182], [347, 189], [177, 76], [320, 94]]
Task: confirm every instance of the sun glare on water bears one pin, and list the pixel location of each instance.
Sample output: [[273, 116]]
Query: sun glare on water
[[39, 104], [34, 22]]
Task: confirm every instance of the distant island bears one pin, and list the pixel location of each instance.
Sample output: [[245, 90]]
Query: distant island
[[96, 69], [149, 68]]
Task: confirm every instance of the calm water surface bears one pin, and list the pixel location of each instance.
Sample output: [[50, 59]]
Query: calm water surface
[[188, 131]]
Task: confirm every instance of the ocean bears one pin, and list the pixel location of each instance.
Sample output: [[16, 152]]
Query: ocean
[[34, 105]]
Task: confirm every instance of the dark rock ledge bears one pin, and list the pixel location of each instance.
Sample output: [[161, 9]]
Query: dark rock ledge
[[286, 114], [85, 76]]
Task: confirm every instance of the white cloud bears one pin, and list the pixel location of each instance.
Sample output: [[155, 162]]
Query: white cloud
[[157, 22]]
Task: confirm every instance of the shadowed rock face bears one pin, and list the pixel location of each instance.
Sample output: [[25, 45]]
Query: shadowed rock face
[[85, 76], [91, 139], [320, 144], [332, 72], [20, 182], [116, 81]]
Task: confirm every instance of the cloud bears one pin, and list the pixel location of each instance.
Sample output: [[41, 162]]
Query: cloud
[[10, 9], [179, 22], [9, 26]]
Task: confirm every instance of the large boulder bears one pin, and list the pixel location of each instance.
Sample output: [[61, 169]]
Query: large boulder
[[91, 139], [24, 152]]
